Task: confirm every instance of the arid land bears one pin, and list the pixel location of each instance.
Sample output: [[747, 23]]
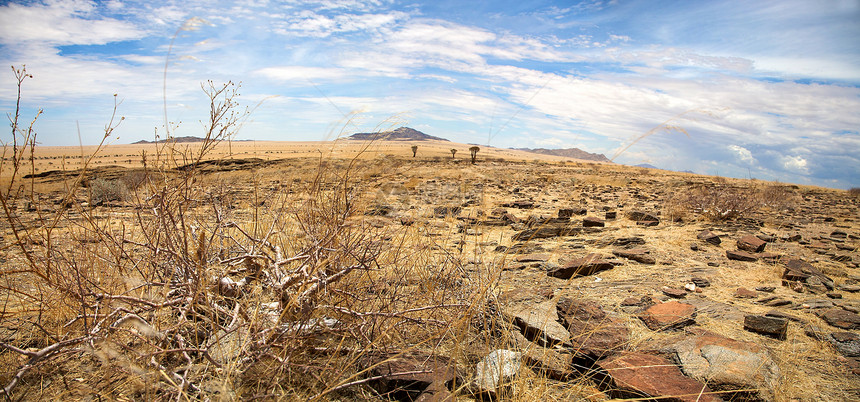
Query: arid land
[[351, 270]]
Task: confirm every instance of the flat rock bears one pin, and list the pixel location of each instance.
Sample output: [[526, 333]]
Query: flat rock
[[668, 315], [550, 362], [426, 373], [840, 318], [740, 255], [727, 364], [496, 370], [801, 271], [534, 257], [744, 293], [674, 292], [710, 237], [593, 332], [751, 243], [538, 322], [846, 343], [773, 327], [641, 375], [640, 255], [582, 266], [639, 216], [591, 221]]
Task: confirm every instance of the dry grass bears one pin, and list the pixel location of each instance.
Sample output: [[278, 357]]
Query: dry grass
[[270, 271]]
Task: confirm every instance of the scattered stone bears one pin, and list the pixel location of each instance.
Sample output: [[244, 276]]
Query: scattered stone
[[778, 303], [766, 289], [639, 216], [817, 303], [543, 360], [611, 215], [647, 223], [690, 287], [522, 204], [751, 243], [673, 292], [840, 318], [727, 364], [669, 315], [637, 301], [590, 221], [834, 295], [635, 374], [846, 343], [593, 332], [740, 255], [567, 213], [582, 266], [700, 282], [537, 321], [799, 270], [444, 212], [849, 288], [497, 370], [637, 254], [770, 326], [744, 293], [710, 237], [780, 314], [428, 375]]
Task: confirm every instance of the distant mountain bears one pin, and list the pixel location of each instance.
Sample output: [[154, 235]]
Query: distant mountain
[[647, 166], [187, 139], [400, 134], [575, 153]]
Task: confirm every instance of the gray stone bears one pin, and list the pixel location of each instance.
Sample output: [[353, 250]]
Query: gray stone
[[496, 370], [770, 326], [538, 322], [846, 343], [726, 364]]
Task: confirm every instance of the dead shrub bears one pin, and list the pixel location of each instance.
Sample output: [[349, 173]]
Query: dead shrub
[[104, 191], [714, 202]]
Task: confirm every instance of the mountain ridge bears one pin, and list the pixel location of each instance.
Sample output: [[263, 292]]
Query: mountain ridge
[[399, 134], [575, 153]]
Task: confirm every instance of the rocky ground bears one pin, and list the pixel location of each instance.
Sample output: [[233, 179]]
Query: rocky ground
[[617, 282], [602, 276]]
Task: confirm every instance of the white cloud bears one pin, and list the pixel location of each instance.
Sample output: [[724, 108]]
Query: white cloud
[[742, 154], [61, 23], [796, 164]]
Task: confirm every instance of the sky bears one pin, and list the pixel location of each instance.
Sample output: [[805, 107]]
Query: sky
[[761, 89]]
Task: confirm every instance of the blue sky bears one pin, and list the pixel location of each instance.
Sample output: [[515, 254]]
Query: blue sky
[[768, 89]]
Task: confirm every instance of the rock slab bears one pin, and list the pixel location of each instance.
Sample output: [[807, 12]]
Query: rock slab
[[669, 315], [642, 375]]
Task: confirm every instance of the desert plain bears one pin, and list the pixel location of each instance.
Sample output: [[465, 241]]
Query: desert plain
[[353, 270]]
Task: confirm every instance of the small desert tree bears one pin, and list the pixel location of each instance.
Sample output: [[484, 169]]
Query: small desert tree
[[474, 151], [414, 150], [453, 152]]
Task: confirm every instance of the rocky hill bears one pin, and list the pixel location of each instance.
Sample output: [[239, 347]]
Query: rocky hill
[[400, 134], [575, 153]]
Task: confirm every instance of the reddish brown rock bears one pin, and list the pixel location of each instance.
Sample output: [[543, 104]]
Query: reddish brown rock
[[744, 293], [727, 364], [591, 221], [637, 254], [536, 257], [740, 255], [593, 332], [674, 292], [641, 375], [751, 243], [668, 315], [773, 327], [423, 371], [710, 237], [840, 318], [582, 266]]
